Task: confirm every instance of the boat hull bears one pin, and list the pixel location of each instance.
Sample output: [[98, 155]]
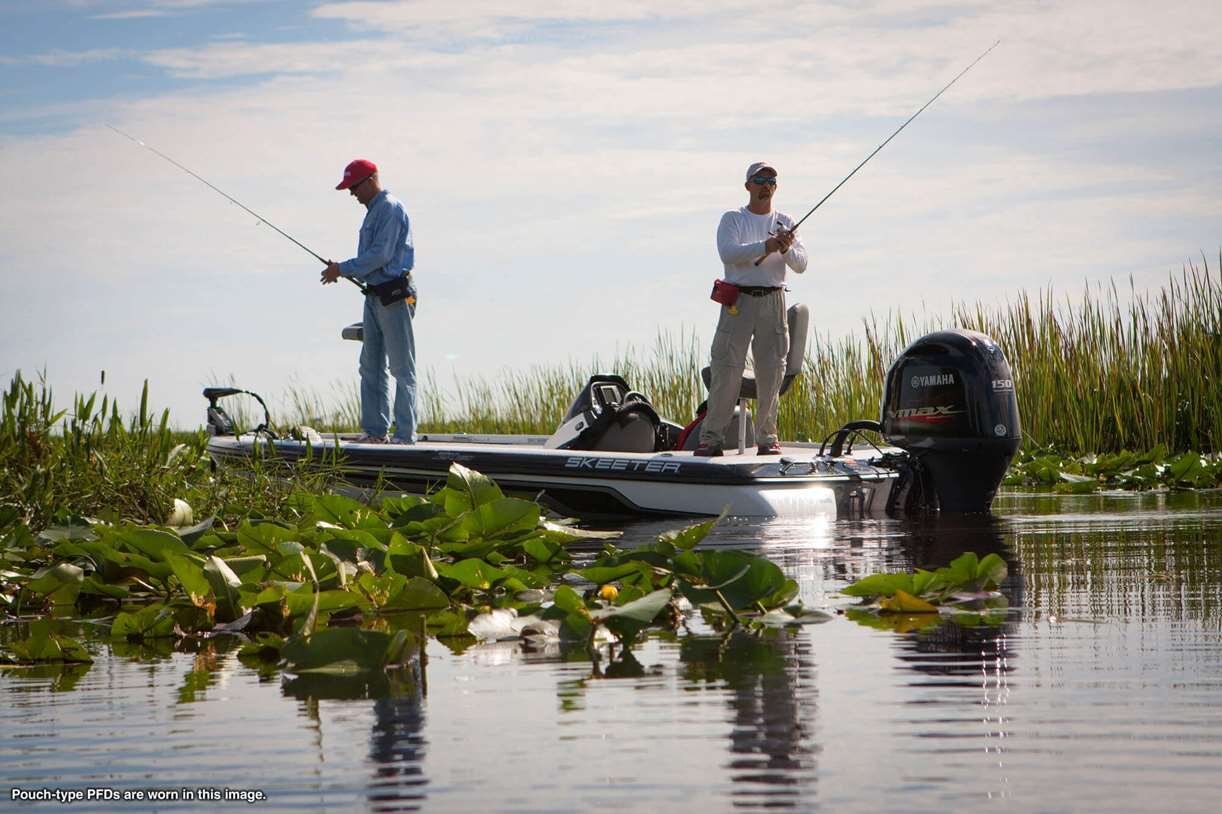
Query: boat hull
[[798, 483]]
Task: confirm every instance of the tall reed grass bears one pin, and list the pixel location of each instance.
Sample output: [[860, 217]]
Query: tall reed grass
[[1099, 373], [93, 460]]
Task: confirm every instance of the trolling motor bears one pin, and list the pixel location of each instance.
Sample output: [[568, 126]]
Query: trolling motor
[[950, 403], [219, 422]]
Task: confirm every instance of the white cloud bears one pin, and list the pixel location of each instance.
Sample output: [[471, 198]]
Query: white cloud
[[565, 191], [133, 14], [487, 16], [62, 59], [153, 8]]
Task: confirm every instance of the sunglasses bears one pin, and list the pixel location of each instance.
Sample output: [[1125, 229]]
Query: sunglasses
[[358, 184], [761, 180]]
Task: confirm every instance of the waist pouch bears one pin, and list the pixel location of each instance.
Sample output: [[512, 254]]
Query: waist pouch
[[392, 291], [724, 293]]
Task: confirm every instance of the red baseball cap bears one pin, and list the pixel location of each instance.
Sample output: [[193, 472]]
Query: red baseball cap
[[356, 172]]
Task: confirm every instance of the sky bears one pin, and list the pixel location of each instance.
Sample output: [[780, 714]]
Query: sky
[[565, 165]]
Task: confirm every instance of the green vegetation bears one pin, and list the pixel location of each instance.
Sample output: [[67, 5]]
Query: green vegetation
[[57, 465], [1099, 375], [97, 529], [1118, 470], [338, 586], [965, 592]]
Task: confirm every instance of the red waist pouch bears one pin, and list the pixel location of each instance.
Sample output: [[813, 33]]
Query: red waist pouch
[[724, 293]]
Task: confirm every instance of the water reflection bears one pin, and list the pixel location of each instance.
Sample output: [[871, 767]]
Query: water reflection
[[397, 748], [970, 648], [771, 693], [396, 741], [961, 670]]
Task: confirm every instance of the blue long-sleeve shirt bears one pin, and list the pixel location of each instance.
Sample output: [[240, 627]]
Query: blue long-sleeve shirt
[[385, 249]]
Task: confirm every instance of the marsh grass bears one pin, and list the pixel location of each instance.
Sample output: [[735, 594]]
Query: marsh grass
[[1095, 373], [95, 460]]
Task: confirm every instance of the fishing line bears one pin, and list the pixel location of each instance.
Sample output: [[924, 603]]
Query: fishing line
[[228, 197], [884, 144]]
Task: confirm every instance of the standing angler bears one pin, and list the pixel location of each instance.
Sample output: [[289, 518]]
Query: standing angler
[[756, 245], [384, 260]]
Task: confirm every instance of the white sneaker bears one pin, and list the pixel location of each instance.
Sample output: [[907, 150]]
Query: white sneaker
[[371, 439]]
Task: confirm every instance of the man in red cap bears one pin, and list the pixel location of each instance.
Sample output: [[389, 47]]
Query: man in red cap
[[383, 263], [759, 318]]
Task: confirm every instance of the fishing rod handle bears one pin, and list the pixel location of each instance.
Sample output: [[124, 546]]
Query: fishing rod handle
[[763, 256]]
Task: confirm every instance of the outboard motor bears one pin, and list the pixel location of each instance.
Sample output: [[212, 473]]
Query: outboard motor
[[608, 416], [949, 402]]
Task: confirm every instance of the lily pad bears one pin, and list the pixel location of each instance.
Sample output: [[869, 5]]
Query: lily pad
[[345, 650], [44, 644]]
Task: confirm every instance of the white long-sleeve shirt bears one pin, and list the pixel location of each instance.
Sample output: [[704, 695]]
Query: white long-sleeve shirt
[[740, 240]]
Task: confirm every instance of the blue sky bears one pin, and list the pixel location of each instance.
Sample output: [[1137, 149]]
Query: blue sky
[[565, 165]]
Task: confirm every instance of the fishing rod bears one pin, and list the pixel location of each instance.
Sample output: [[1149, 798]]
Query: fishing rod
[[229, 198], [884, 144]]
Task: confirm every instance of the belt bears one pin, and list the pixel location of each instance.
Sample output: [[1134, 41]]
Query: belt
[[759, 290], [389, 285]]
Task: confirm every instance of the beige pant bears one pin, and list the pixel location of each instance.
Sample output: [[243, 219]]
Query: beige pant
[[764, 319]]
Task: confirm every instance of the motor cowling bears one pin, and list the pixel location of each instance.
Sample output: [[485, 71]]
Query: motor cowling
[[949, 402]]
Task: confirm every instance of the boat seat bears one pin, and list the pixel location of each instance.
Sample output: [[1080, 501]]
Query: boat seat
[[608, 416], [631, 427], [798, 316]]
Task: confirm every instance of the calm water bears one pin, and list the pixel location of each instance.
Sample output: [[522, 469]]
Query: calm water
[[1103, 691]]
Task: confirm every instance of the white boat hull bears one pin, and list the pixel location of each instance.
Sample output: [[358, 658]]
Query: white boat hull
[[797, 483]]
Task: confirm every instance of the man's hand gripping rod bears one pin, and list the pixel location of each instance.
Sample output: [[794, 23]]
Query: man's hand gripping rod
[[760, 259], [232, 200]]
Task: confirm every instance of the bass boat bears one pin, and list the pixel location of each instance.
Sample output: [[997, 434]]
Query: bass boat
[[948, 419]]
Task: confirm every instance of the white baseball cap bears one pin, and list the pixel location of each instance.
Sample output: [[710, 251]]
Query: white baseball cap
[[757, 166]]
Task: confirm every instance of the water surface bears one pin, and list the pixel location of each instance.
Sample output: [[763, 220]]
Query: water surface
[[1101, 691]]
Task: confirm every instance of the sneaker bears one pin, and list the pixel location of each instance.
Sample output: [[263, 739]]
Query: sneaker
[[394, 439], [770, 449], [707, 451], [371, 439]]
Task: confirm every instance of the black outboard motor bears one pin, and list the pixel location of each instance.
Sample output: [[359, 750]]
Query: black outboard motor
[[949, 401], [609, 416]]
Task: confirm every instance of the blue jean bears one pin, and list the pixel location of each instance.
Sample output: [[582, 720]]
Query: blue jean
[[388, 336]]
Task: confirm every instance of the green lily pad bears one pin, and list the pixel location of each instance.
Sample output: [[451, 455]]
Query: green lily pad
[[628, 620], [345, 650], [153, 622], [419, 594], [226, 587], [191, 576], [473, 573], [688, 538], [60, 583], [44, 644], [466, 490]]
